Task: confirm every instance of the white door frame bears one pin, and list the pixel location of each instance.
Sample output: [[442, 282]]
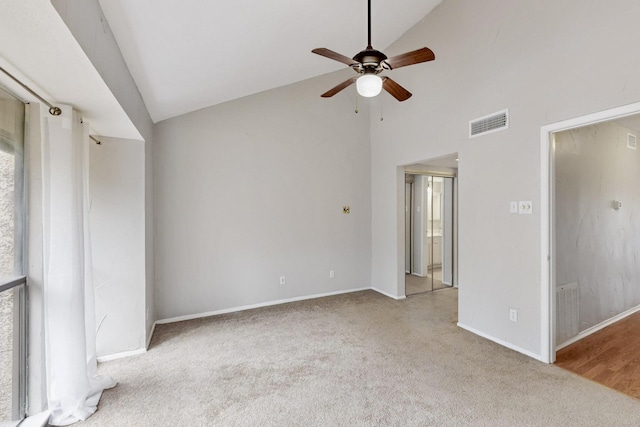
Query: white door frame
[[547, 213]]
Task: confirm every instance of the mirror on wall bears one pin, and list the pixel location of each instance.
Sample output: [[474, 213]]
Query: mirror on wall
[[429, 232]]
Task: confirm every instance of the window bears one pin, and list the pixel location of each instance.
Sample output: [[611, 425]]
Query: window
[[12, 280]]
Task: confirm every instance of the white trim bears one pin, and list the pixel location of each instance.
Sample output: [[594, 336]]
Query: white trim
[[546, 303], [115, 356], [153, 329], [386, 294], [501, 342], [252, 306], [547, 294], [36, 420], [110, 357], [598, 327]]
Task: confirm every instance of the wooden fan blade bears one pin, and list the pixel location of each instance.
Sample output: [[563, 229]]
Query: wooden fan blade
[[338, 88], [395, 90], [334, 55], [414, 57]]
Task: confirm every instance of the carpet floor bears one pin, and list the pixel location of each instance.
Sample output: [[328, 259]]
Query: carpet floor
[[359, 359]]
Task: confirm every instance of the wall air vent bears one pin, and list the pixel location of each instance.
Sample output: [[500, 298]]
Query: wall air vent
[[632, 141], [488, 124]]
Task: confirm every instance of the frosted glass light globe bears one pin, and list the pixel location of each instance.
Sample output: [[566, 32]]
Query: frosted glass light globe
[[369, 85]]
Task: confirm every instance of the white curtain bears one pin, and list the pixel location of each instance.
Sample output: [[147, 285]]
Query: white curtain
[[73, 386]]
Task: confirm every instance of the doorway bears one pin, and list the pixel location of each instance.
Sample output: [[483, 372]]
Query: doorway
[[430, 227], [567, 283]]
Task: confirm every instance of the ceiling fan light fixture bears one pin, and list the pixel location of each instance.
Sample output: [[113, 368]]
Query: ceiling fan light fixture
[[369, 62], [369, 85]]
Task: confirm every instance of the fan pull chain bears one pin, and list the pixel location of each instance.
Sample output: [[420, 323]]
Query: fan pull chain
[[357, 111], [381, 108]]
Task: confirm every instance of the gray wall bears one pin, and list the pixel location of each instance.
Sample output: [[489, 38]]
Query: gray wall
[[253, 189], [596, 245], [546, 61]]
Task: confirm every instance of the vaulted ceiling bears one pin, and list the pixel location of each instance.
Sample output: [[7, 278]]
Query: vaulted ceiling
[[190, 54]]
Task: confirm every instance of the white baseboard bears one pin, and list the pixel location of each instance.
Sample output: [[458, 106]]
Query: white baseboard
[[110, 357], [386, 294], [252, 306], [115, 356], [153, 329], [501, 342], [37, 420], [598, 327]]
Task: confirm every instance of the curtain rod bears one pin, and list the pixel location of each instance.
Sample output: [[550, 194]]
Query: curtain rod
[[53, 110]]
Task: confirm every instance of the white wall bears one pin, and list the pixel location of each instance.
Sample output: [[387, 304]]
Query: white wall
[[253, 189], [89, 26], [117, 221], [596, 245], [546, 61]]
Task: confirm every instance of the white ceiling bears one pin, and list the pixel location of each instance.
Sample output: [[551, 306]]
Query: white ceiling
[[38, 49], [437, 164], [190, 54]]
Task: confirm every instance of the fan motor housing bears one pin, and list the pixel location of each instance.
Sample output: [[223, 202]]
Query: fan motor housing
[[369, 57]]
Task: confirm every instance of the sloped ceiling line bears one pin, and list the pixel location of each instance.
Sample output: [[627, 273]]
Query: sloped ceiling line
[[189, 55]]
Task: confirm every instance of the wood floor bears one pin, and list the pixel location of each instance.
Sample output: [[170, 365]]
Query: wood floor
[[610, 356]]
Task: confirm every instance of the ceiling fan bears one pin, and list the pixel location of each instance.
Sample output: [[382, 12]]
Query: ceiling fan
[[370, 63]]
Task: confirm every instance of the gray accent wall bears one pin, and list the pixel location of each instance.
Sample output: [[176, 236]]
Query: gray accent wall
[[597, 245], [254, 189]]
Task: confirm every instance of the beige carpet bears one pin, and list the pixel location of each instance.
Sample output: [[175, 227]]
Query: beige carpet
[[360, 359]]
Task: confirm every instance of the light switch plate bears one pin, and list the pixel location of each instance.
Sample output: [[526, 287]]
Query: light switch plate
[[525, 207], [513, 207]]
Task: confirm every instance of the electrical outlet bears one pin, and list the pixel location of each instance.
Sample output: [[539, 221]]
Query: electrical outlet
[[283, 280], [525, 207], [332, 274], [513, 315]]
